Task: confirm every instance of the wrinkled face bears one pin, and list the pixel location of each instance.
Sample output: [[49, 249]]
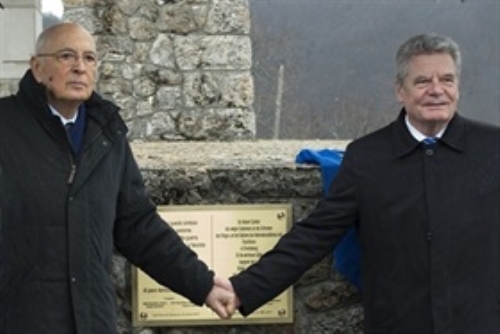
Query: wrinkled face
[[65, 65], [430, 91]]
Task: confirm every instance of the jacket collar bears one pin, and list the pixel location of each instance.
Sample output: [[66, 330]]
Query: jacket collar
[[404, 143], [34, 94], [98, 111]]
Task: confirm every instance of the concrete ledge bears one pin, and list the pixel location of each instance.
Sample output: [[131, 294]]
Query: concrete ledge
[[237, 154]]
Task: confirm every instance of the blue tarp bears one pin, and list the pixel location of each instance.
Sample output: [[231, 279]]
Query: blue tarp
[[346, 254]]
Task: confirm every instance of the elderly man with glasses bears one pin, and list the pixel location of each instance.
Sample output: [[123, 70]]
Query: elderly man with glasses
[[69, 197]]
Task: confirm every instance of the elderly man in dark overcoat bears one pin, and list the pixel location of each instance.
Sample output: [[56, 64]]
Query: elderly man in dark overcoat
[[70, 192]]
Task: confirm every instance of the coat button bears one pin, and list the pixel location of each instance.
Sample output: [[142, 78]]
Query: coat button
[[73, 279], [429, 236], [429, 151]]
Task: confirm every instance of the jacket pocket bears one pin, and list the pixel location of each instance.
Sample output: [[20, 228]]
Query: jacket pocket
[[12, 293]]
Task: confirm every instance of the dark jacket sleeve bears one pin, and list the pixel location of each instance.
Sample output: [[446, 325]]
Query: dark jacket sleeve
[[148, 242], [308, 242]]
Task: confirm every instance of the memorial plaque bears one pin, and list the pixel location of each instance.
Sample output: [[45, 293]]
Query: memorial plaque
[[228, 238]]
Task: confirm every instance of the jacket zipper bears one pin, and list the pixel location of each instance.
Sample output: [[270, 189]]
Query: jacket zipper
[[72, 173]]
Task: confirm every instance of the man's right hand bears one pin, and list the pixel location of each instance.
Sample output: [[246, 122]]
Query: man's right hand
[[226, 284]]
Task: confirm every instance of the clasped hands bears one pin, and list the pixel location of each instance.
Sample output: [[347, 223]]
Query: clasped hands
[[222, 299]]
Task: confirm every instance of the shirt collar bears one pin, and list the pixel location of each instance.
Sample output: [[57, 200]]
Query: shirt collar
[[64, 120], [419, 136]]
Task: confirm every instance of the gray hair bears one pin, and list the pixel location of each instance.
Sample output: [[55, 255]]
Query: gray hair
[[44, 37], [48, 33], [425, 44]]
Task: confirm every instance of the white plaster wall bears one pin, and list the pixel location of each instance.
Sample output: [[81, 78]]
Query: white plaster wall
[[20, 24]]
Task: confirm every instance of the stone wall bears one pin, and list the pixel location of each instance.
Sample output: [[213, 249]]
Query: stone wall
[[179, 69], [185, 173]]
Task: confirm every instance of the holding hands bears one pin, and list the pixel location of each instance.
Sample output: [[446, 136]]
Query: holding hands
[[222, 299]]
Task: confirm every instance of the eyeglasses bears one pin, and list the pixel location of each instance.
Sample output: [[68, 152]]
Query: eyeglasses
[[70, 58]]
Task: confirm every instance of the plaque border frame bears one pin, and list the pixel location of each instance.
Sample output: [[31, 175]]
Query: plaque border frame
[[137, 322]]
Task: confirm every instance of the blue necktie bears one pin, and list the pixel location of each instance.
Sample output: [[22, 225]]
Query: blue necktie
[[429, 141]]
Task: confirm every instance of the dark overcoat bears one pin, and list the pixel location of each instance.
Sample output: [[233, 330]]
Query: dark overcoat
[[60, 218], [428, 221]]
